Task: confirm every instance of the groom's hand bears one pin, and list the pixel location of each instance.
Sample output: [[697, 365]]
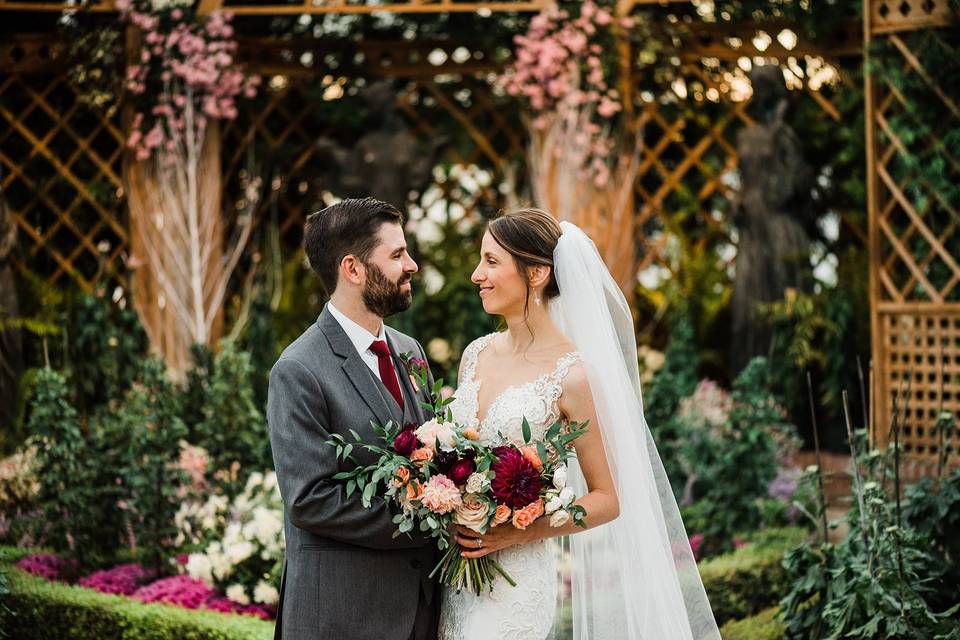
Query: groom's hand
[[476, 545]]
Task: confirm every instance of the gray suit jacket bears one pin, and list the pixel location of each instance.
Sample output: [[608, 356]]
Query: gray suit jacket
[[345, 576]]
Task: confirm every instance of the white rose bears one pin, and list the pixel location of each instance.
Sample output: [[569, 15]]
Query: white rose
[[553, 504], [200, 568], [238, 594], [265, 593], [559, 518], [433, 434], [476, 483], [567, 496], [560, 477]]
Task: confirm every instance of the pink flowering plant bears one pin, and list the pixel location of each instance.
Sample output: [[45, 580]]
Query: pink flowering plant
[[439, 474], [184, 60], [561, 74]]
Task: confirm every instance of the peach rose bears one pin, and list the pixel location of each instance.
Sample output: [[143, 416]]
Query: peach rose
[[472, 513], [523, 518], [414, 490], [530, 453], [421, 455], [403, 475], [501, 515], [471, 434]]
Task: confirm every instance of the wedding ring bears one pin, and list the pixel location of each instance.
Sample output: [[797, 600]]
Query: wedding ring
[[479, 542]]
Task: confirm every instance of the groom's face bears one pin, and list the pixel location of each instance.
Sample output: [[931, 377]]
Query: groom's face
[[386, 288]]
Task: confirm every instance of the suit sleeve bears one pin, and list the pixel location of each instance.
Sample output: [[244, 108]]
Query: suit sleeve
[[306, 464]]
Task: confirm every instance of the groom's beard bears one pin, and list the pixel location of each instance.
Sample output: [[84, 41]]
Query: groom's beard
[[383, 296]]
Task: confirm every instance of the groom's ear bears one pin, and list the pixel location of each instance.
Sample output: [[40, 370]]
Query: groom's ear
[[539, 275], [351, 269]]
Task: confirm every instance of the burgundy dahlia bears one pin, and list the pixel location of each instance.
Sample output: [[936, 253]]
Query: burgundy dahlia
[[461, 470], [405, 443], [516, 483]]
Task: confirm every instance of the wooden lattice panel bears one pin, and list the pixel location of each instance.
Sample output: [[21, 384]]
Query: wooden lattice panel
[[922, 355], [60, 176], [887, 16], [914, 230]]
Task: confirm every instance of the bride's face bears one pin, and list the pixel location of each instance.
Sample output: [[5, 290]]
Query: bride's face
[[502, 289]]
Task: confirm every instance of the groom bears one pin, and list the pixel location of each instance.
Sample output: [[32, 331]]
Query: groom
[[345, 576]]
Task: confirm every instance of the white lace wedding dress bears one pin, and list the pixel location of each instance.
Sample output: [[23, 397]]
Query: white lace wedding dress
[[524, 612]]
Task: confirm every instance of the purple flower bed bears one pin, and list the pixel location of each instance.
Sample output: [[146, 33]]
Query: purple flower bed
[[182, 591], [123, 579], [129, 580], [225, 605], [45, 565]]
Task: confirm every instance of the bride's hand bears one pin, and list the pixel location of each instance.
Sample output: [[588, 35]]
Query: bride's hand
[[477, 545]]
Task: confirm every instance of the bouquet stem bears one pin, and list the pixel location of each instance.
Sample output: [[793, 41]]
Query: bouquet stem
[[473, 574]]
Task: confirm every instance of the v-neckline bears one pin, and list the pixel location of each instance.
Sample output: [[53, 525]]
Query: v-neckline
[[517, 386]]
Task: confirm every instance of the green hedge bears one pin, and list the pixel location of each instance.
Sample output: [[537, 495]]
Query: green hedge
[[762, 626], [44, 610], [751, 579]]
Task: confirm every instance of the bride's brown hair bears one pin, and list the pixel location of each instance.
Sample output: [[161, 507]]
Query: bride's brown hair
[[530, 236]]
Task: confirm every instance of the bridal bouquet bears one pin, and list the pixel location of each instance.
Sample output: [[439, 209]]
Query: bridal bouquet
[[438, 474]]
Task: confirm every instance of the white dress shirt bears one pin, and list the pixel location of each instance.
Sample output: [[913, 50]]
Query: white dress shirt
[[361, 338]]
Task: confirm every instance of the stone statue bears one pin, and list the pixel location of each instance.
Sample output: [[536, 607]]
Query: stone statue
[[771, 214], [11, 354], [387, 162]]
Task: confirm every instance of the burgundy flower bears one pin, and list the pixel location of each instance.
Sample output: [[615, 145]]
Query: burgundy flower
[[461, 470], [405, 443], [516, 483], [410, 426], [445, 460]]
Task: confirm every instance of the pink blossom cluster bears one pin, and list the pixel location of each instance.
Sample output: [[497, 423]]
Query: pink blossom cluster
[[182, 591], [123, 579], [193, 462], [225, 605], [181, 61], [558, 69], [45, 565]]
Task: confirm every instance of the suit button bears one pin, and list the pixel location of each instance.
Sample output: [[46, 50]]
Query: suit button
[[416, 564]]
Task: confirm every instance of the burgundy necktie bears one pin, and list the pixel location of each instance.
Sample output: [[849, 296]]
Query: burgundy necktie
[[387, 373]]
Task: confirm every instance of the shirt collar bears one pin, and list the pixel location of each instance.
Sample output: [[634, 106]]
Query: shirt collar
[[360, 337]]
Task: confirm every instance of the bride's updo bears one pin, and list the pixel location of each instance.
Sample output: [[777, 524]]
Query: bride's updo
[[530, 236]]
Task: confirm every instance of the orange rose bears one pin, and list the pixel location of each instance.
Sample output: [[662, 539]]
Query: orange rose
[[523, 518], [414, 490], [403, 475], [530, 453], [471, 434], [501, 515], [423, 454]]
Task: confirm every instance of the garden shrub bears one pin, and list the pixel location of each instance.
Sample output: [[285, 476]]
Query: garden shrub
[[233, 429], [762, 626], [882, 582], [77, 483], [752, 578], [42, 610]]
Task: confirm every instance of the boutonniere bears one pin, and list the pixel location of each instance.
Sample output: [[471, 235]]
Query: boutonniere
[[416, 368]]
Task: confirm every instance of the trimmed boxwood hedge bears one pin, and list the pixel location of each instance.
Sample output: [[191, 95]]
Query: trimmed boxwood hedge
[[762, 626], [38, 609], [747, 581]]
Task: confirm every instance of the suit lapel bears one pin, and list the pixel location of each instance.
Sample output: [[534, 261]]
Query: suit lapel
[[355, 368]]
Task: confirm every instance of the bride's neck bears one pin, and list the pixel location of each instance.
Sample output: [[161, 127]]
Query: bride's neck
[[537, 321]]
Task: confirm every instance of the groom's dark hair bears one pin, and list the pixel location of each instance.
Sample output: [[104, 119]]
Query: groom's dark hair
[[346, 228]]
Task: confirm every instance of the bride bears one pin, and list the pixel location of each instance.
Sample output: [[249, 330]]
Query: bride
[[569, 353]]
